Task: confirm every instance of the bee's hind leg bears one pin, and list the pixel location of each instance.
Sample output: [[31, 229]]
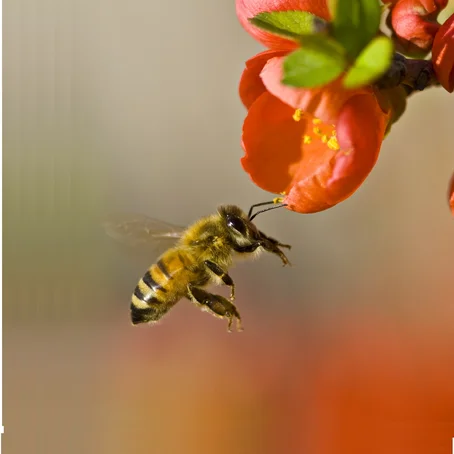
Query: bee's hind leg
[[217, 305], [218, 271]]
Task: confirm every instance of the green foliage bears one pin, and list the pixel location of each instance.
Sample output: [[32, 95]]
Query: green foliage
[[290, 24], [355, 23], [319, 61], [349, 43], [371, 63]]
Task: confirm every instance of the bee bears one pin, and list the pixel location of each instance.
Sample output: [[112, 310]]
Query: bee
[[202, 255]]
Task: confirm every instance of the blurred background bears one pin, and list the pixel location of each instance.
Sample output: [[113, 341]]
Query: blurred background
[[132, 106]]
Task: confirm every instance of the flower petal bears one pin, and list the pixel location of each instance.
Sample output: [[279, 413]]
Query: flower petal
[[322, 102], [272, 142], [247, 9], [251, 85], [443, 54], [325, 180], [360, 131]]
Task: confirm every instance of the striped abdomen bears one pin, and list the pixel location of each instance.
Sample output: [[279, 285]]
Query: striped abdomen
[[159, 289]]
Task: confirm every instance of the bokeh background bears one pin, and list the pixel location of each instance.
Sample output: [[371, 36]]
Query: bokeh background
[[132, 106]]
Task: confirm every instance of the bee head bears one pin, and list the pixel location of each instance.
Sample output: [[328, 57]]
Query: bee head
[[240, 229], [244, 236]]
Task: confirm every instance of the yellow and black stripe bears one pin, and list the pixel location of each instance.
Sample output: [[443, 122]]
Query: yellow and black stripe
[[149, 298], [162, 267]]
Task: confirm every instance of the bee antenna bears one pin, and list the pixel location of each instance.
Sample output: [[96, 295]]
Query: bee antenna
[[267, 209], [259, 205]]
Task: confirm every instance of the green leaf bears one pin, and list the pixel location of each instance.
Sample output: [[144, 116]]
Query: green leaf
[[355, 23], [291, 24], [319, 61], [371, 63]]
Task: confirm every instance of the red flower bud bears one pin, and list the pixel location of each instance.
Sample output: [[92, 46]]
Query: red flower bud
[[414, 23]]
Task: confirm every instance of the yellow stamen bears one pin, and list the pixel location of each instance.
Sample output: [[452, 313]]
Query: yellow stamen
[[278, 199], [316, 121], [333, 143], [324, 138], [317, 131], [307, 139], [297, 115]]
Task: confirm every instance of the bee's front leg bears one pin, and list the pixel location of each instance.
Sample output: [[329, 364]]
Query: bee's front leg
[[275, 242], [218, 271], [273, 246], [217, 305]]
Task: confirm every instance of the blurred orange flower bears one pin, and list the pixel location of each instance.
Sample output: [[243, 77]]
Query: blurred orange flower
[[316, 146], [358, 381], [384, 386], [443, 54]]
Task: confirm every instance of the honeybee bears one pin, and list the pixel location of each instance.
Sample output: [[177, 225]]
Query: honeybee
[[202, 255]]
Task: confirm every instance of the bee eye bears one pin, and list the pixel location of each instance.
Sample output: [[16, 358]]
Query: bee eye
[[236, 223]]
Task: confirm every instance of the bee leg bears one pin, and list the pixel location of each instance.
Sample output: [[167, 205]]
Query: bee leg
[[274, 241], [272, 245], [216, 269], [282, 256], [217, 305]]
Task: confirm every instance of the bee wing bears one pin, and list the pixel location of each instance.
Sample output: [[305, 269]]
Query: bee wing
[[138, 230]]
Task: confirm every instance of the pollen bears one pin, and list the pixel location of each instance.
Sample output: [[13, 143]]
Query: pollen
[[297, 115], [333, 143], [321, 133], [278, 200]]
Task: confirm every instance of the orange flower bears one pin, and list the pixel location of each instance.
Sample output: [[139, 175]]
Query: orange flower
[[414, 23], [443, 54], [315, 145]]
